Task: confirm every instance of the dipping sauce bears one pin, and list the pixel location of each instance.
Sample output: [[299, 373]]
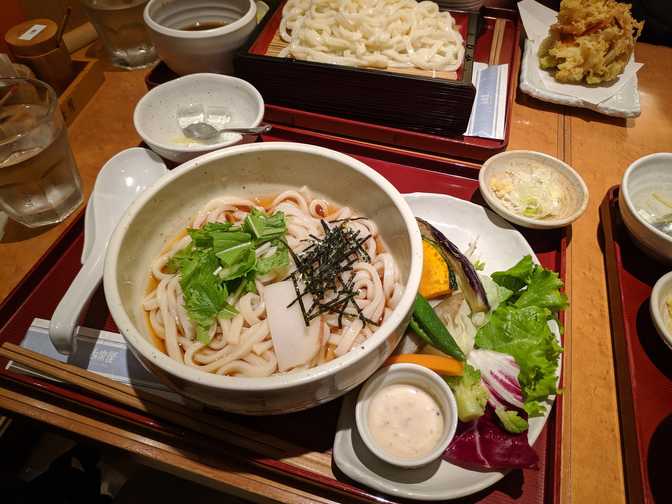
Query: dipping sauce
[[205, 25], [405, 421]]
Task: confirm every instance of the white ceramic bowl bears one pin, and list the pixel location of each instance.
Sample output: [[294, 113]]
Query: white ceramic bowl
[[155, 115], [648, 175], [187, 52], [423, 378], [576, 187], [658, 307], [247, 170]]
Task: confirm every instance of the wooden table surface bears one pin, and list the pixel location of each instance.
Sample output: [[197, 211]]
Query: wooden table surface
[[598, 147]]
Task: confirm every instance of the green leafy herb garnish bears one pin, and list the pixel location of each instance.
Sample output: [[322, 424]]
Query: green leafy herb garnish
[[265, 227], [278, 260], [221, 263]]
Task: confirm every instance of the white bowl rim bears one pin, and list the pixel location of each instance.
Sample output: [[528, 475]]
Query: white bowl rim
[[563, 167], [372, 385], [654, 307], [204, 147], [200, 34], [625, 192], [274, 382]]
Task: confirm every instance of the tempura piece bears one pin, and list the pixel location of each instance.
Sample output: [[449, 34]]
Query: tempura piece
[[591, 42]]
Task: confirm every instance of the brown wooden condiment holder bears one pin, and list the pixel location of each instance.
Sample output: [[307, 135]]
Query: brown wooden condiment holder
[[37, 44]]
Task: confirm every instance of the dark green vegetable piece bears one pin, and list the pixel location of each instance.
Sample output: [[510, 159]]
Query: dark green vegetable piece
[[429, 322], [222, 258], [265, 227], [452, 279], [420, 331]]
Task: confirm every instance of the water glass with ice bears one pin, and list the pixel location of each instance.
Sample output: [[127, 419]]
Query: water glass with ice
[[39, 181], [122, 30]]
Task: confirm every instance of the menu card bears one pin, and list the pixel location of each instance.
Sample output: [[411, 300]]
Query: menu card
[[101, 352]]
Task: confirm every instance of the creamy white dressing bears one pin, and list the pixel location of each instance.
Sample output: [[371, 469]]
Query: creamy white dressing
[[405, 421]]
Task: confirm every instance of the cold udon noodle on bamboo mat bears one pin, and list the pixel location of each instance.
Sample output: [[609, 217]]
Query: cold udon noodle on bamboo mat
[[257, 287], [386, 34]]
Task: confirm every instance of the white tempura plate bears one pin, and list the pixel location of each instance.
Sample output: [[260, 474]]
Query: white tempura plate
[[625, 103], [500, 246]]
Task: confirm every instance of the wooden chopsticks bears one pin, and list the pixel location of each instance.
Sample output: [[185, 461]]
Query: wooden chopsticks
[[227, 475], [497, 40], [204, 423]]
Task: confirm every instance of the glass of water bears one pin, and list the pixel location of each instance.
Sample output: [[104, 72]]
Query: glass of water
[[39, 181], [120, 26]]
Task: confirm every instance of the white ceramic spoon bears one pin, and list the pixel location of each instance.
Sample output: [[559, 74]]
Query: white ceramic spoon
[[119, 182]]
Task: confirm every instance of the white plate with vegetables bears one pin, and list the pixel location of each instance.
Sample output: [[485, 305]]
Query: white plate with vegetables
[[502, 359]]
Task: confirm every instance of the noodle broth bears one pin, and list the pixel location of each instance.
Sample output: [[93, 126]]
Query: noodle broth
[[244, 345]]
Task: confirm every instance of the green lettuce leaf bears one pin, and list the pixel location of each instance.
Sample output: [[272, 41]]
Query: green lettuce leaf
[[495, 293], [516, 277], [534, 408], [519, 327], [543, 289], [511, 420], [524, 334]]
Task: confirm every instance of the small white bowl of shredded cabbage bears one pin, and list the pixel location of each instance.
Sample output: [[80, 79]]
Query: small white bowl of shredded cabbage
[[533, 189]]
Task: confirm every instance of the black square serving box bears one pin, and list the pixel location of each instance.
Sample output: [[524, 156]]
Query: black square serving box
[[423, 103]]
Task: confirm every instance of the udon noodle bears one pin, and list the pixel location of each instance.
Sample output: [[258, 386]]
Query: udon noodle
[[243, 345], [372, 33]]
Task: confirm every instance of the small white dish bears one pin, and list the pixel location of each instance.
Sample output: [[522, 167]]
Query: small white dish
[[192, 51], [427, 381], [625, 103], [645, 177], [662, 290], [156, 114], [577, 192]]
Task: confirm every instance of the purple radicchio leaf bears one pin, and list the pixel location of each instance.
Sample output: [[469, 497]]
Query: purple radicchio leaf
[[484, 445], [499, 373]]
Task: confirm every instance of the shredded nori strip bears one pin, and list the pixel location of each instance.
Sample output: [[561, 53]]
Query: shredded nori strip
[[319, 268]]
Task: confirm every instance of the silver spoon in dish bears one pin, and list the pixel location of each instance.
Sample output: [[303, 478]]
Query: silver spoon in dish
[[205, 131]]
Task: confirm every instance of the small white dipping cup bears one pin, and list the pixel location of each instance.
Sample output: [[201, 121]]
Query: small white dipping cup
[[418, 376]]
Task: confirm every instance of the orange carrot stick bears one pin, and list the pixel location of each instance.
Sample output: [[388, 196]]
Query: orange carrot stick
[[443, 365]]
